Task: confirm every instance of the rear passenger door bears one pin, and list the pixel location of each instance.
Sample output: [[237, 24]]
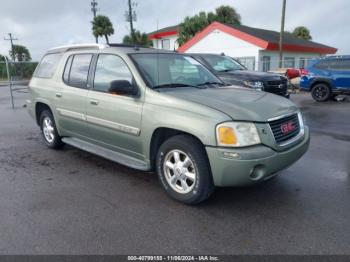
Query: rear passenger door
[[114, 120], [340, 69], [71, 99]]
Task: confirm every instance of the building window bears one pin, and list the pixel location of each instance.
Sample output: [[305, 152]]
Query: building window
[[166, 44], [289, 62], [266, 62], [302, 62], [248, 61]]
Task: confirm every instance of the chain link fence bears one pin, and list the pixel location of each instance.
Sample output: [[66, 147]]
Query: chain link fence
[[16, 76]]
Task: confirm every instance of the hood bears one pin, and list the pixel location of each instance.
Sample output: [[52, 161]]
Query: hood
[[238, 103], [246, 75]]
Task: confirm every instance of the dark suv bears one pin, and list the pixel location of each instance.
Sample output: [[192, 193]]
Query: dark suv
[[326, 77], [232, 72]]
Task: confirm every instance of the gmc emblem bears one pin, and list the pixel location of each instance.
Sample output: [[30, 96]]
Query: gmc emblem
[[287, 127]]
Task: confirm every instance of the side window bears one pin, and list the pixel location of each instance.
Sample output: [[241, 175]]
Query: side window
[[48, 65], [77, 70], [323, 65], [108, 69], [342, 64]]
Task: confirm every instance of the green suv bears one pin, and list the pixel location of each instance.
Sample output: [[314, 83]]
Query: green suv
[[155, 110]]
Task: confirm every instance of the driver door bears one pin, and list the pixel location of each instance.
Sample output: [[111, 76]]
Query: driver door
[[114, 121]]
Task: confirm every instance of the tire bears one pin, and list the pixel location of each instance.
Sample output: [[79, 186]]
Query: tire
[[321, 92], [49, 130], [183, 169]]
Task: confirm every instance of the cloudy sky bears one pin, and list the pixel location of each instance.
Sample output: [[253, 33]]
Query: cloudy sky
[[42, 24]]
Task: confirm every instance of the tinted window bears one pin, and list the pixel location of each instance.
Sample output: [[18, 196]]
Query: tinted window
[[222, 63], [322, 64], [108, 69], [67, 69], [343, 64], [247, 61], [79, 70], [47, 66]]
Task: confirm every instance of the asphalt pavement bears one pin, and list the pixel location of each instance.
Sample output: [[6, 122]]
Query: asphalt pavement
[[72, 202]]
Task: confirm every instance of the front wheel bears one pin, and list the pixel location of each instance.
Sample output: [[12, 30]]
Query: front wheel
[[183, 169], [321, 92]]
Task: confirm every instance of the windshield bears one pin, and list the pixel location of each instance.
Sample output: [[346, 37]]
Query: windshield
[[223, 63], [173, 70]]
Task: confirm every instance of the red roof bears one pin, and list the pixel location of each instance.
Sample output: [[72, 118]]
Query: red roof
[[266, 39], [167, 31]]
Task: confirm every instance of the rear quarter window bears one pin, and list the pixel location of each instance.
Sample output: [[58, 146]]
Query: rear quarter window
[[47, 66], [341, 64]]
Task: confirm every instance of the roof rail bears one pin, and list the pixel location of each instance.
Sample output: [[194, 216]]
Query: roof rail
[[76, 47]]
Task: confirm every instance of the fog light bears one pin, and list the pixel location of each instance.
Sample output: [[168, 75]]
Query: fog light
[[258, 172], [230, 155]]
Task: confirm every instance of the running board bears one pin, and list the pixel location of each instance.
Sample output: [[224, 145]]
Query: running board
[[107, 153]]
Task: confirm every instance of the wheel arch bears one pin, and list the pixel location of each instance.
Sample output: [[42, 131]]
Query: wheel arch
[[321, 81], [160, 135], [39, 108]]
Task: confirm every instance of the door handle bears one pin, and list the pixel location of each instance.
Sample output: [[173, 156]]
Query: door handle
[[59, 95], [94, 102]]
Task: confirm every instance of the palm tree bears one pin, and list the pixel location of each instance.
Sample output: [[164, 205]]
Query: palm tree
[[2, 58], [102, 26], [21, 53], [302, 32], [140, 39]]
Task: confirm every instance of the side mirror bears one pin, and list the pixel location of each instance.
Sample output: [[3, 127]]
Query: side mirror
[[122, 87]]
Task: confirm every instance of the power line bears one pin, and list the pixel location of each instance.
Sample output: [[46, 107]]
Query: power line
[[94, 10], [12, 48]]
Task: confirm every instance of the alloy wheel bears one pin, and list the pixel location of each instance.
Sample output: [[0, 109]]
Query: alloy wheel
[[180, 172]]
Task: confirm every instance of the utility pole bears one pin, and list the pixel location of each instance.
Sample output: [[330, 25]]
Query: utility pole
[[94, 10], [12, 49], [282, 33], [131, 18]]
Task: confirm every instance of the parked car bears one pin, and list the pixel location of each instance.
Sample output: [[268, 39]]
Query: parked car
[[326, 77], [233, 73], [163, 111]]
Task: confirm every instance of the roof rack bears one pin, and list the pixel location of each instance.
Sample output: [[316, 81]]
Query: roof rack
[[67, 48], [337, 56], [75, 47]]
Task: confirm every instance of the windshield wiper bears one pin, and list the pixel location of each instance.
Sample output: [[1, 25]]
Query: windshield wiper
[[211, 83], [174, 85]]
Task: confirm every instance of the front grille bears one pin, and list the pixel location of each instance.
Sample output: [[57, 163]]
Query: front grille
[[285, 128], [277, 87]]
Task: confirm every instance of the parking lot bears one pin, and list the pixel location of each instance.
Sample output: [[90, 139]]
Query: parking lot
[[72, 202]]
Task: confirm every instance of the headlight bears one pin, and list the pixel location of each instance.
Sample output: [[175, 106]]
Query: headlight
[[237, 134], [257, 85]]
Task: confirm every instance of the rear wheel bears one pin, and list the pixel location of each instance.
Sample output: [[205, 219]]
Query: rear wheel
[[321, 92], [49, 130], [183, 169]]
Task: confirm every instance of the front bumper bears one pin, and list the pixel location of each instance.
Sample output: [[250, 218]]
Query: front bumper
[[244, 166]]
